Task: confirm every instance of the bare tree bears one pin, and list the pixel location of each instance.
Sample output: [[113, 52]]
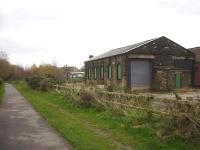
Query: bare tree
[[3, 55]]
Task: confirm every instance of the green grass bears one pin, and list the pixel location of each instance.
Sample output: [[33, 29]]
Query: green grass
[[1, 92], [89, 129]]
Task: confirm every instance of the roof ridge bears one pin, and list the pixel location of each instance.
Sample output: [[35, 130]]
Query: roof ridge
[[122, 50], [194, 47]]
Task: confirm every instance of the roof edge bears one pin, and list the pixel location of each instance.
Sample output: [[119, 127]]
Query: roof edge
[[147, 42]]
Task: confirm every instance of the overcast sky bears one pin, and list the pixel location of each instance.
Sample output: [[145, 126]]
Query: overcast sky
[[68, 31]]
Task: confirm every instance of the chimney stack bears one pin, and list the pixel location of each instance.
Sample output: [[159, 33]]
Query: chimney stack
[[90, 56]]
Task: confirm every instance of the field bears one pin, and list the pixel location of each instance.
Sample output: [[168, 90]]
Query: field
[[90, 128]]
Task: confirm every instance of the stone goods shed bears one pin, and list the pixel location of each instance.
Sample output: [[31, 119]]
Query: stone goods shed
[[196, 51], [158, 63]]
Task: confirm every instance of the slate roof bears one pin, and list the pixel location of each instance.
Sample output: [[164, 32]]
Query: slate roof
[[121, 50]]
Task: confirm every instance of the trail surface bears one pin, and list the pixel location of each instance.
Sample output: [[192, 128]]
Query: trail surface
[[22, 128]]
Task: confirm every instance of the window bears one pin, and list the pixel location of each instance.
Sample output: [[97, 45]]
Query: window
[[178, 80], [90, 73], [119, 71], [102, 72], [109, 71], [95, 73]]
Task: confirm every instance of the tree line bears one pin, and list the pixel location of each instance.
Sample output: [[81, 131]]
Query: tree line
[[9, 71]]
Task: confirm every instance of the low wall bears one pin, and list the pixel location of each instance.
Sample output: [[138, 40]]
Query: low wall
[[148, 103]]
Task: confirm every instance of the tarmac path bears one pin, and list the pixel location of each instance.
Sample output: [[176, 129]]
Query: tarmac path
[[22, 128]]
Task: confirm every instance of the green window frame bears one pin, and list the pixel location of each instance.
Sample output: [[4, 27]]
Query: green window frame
[[178, 80], [119, 71], [109, 71], [95, 73], [91, 73], [102, 72]]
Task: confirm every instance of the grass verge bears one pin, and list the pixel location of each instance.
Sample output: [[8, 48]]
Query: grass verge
[[91, 129], [1, 92]]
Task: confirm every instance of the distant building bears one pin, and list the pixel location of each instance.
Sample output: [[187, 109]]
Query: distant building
[[196, 51], [158, 63], [76, 75], [70, 69]]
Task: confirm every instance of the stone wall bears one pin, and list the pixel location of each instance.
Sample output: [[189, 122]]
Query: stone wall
[[160, 80], [164, 68], [186, 79], [166, 79], [163, 77]]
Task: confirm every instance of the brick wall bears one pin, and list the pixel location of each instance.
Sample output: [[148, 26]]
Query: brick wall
[[113, 82]]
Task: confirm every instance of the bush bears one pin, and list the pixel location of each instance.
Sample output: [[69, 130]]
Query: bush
[[34, 81], [47, 84], [75, 80], [39, 82]]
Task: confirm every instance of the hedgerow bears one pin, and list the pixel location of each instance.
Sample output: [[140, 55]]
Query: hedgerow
[[41, 82]]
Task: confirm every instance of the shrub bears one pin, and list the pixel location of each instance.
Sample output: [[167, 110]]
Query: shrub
[[46, 84], [75, 80], [40, 82], [34, 81]]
